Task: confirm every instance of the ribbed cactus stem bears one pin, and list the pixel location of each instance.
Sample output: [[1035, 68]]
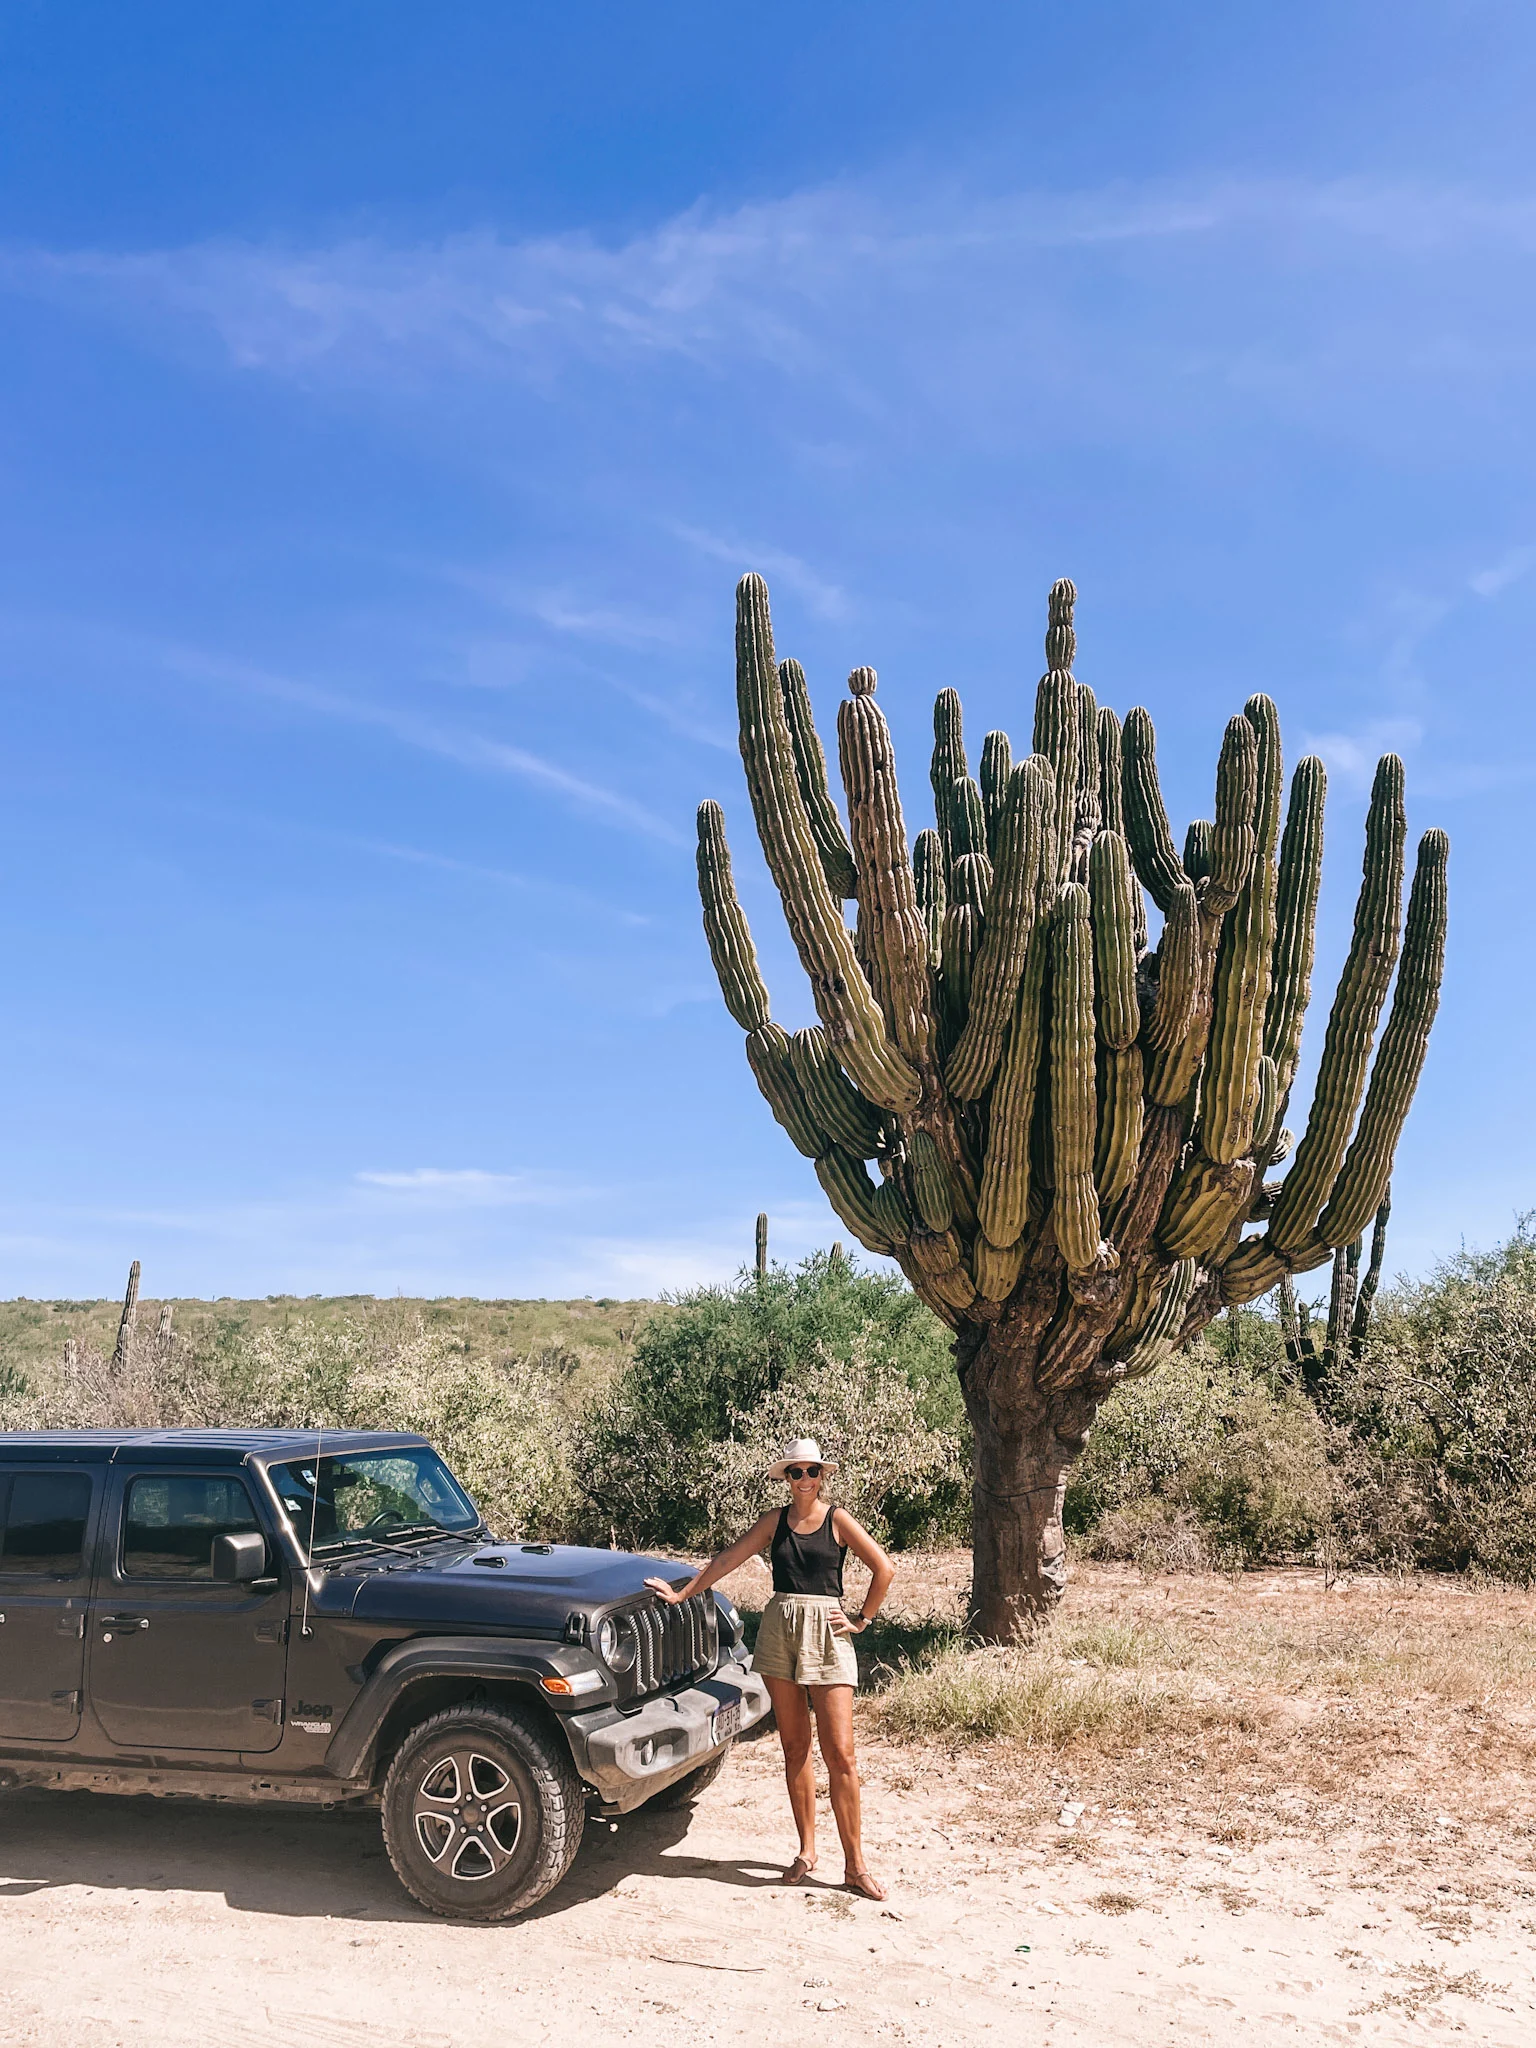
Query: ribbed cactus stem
[[844, 1003], [1121, 1114], [932, 1191], [1012, 910], [830, 1097], [894, 934], [949, 762], [848, 1187], [1146, 818], [997, 1268], [1197, 849], [1111, 773], [1359, 1189], [725, 925], [1112, 890], [772, 1063], [1073, 1106], [811, 771], [1057, 722], [1003, 1204], [967, 820], [996, 767], [1159, 1338], [1232, 835], [928, 872], [1178, 972], [1231, 1097], [1301, 874], [1352, 1022]]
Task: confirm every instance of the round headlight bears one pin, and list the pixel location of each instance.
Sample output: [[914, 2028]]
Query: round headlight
[[615, 1645]]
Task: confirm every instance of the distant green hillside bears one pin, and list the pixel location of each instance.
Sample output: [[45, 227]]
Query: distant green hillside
[[584, 1341]]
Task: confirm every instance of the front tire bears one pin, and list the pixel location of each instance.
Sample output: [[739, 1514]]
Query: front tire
[[483, 1812]]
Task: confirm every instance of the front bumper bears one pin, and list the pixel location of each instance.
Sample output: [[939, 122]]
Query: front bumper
[[630, 1757]]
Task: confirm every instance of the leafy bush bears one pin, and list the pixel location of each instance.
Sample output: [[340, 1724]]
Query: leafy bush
[[709, 1362], [1204, 1461], [1436, 1423]]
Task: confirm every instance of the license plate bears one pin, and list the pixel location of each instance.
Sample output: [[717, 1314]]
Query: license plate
[[727, 1721]]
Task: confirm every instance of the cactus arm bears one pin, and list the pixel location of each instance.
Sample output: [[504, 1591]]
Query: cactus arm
[[1360, 1322], [1233, 837], [1073, 1107], [1301, 874], [1231, 1097], [1058, 723], [997, 1270], [1146, 819], [948, 761], [725, 925], [933, 1192], [1197, 849], [831, 1097], [1003, 1205], [970, 884], [848, 1187], [854, 1025], [1178, 976], [1159, 1337], [1352, 1023], [1111, 773], [967, 820], [1111, 890], [1359, 1189], [996, 767], [893, 930], [928, 871], [1121, 1115], [1013, 907], [811, 773], [769, 1056]]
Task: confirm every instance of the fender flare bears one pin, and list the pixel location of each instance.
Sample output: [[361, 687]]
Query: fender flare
[[507, 1658]]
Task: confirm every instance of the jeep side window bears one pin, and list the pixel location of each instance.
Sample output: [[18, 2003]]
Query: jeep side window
[[171, 1519], [43, 1533]]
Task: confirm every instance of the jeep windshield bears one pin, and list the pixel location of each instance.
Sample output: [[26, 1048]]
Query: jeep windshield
[[363, 1497]]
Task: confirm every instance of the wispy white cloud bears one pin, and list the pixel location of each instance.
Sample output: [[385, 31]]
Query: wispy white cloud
[[471, 1187], [1498, 576], [826, 600]]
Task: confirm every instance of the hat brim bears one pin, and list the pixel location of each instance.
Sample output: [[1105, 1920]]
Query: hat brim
[[778, 1471]]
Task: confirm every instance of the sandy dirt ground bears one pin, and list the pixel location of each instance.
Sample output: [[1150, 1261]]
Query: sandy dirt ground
[[1194, 1893]]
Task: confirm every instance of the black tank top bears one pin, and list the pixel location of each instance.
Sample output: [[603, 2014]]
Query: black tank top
[[809, 1564]]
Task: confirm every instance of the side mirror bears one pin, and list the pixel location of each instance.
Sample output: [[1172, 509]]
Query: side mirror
[[239, 1559]]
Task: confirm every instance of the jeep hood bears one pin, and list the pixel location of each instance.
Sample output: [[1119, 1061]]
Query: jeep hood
[[516, 1588]]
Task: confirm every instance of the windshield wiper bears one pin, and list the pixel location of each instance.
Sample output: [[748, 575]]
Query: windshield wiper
[[415, 1529]]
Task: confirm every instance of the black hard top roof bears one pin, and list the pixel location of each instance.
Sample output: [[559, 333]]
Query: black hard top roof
[[214, 1447]]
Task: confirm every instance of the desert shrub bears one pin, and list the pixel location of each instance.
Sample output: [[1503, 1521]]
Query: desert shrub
[[161, 1383], [651, 1442], [500, 1425], [1212, 1458], [868, 1416], [1436, 1423], [1035, 1695]]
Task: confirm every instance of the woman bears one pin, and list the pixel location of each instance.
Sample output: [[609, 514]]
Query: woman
[[803, 1647]]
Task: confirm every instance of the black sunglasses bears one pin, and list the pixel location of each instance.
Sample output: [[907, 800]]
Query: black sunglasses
[[802, 1471]]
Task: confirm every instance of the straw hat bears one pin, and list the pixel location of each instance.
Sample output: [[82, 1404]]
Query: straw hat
[[804, 1450]]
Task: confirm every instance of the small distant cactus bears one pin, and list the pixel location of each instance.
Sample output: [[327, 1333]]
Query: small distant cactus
[[1070, 1127]]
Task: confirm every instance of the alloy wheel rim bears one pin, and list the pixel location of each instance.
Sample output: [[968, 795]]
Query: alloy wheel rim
[[467, 1816]]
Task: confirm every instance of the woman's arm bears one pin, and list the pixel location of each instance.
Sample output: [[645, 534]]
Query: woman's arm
[[881, 1570], [756, 1539]]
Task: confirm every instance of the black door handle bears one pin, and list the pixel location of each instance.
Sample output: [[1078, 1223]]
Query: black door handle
[[109, 1622]]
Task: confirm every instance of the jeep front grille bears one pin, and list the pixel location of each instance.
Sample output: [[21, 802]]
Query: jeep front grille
[[674, 1642]]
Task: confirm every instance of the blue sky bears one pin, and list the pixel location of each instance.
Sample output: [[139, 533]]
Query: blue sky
[[391, 398]]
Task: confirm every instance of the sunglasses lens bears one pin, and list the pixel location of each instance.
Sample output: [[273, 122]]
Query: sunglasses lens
[[802, 1471], [813, 1471]]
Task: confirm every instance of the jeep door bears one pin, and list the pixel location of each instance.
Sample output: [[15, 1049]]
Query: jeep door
[[45, 1521], [179, 1659]]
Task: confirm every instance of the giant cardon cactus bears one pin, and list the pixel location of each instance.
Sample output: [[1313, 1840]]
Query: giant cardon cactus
[[1071, 1126]]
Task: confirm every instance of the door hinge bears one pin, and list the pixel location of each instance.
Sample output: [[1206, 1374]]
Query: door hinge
[[71, 1625], [66, 1699], [268, 1710], [272, 1631]]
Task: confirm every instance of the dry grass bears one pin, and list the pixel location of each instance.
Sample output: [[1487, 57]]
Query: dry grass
[[1245, 1708]]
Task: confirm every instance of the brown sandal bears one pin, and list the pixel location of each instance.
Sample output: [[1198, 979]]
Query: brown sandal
[[864, 1883]]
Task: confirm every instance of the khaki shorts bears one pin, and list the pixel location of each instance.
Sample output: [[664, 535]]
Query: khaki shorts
[[796, 1641]]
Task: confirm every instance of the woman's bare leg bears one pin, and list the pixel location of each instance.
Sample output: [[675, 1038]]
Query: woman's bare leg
[[792, 1713], [834, 1731]]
